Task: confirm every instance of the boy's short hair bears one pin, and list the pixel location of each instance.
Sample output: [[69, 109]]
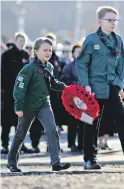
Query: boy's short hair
[[101, 11], [20, 34], [39, 41]]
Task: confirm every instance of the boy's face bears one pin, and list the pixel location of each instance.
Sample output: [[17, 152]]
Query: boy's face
[[45, 52], [108, 22]]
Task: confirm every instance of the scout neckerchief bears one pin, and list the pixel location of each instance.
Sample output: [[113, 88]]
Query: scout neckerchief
[[47, 74], [114, 50]]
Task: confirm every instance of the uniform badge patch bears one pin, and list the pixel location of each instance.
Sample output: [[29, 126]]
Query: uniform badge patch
[[20, 78], [21, 85], [96, 47]]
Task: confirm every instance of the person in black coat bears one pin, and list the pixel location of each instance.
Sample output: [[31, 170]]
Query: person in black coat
[[12, 62], [69, 76]]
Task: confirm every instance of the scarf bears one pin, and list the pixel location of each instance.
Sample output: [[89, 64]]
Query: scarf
[[49, 77], [114, 50]]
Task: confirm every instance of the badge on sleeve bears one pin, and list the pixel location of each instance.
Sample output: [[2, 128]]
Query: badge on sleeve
[[20, 78], [96, 47], [21, 85]]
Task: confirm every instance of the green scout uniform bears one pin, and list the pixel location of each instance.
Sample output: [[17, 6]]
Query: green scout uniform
[[97, 67], [31, 95], [100, 65], [31, 89]]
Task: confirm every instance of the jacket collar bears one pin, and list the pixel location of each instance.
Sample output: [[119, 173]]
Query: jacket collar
[[39, 63], [101, 36]]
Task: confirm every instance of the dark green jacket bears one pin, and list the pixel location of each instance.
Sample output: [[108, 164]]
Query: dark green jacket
[[31, 90], [98, 68]]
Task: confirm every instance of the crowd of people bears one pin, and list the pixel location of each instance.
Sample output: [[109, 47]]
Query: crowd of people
[[14, 57]]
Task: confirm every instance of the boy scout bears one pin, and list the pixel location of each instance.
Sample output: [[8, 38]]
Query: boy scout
[[31, 95], [100, 68]]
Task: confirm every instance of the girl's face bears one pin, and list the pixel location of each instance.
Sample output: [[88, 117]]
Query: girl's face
[[44, 53]]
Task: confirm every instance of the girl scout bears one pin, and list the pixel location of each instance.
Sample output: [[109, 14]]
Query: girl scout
[[31, 95]]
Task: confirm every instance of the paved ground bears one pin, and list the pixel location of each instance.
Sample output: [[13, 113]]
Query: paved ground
[[37, 172]]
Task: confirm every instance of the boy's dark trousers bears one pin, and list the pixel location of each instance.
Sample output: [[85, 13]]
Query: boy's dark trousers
[[116, 110], [45, 115]]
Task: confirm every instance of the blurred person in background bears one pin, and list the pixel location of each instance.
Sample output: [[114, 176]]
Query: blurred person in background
[[12, 61], [54, 58], [28, 48], [69, 76], [58, 49], [55, 95], [65, 57]]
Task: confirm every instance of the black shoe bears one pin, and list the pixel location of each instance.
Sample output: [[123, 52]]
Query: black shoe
[[4, 150], [74, 148], [13, 168], [60, 166], [36, 150], [24, 149], [91, 165]]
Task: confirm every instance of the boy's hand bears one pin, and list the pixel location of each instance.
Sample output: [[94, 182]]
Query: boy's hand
[[19, 113], [88, 89], [121, 94]]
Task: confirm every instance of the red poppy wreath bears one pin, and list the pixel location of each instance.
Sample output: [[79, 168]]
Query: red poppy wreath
[[80, 103]]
